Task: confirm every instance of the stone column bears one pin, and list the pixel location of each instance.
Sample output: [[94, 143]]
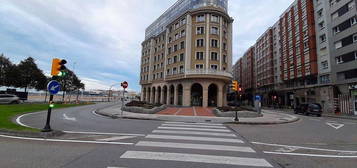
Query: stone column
[[220, 96], [142, 94], [224, 96], [176, 96], [186, 95], [168, 96], [147, 96], [162, 100], [205, 96]]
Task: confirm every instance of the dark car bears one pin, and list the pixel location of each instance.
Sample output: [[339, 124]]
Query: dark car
[[313, 108]]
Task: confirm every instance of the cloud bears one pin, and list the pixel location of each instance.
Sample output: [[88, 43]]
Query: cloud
[[103, 37]]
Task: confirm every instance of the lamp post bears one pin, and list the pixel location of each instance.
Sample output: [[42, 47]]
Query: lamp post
[[110, 89]]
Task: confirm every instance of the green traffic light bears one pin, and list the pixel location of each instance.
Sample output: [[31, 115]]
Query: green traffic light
[[61, 73], [52, 105]]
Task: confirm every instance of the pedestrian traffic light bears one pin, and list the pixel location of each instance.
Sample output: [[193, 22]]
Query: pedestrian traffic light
[[51, 105], [235, 85], [58, 67]]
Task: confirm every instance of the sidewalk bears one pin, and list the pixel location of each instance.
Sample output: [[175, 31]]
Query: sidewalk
[[331, 115], [269, 117]]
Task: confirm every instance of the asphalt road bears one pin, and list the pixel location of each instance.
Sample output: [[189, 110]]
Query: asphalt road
[[319, 142], [96, 141]]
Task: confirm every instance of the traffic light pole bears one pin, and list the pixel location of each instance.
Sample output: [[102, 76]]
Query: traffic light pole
[[47, 127], [236, 104]]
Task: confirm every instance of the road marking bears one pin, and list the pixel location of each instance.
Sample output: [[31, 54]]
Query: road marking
[[104, 133], [313, 155], [192, 123], [18, 119], [193, 138], [194, 133], [116, 138], [301, 147], [65, 140], [197, 126], [335, 125], [68, 118], [196, 158], [195, 129], [196, 146]]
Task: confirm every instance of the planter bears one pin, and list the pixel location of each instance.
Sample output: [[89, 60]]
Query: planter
[[142, 110]]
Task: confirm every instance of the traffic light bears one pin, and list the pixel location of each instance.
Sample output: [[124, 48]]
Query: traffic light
[[51, 104], [58, 67], [235, 85]]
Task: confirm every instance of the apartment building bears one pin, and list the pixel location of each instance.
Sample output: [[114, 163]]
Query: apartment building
[[187, 55], [342, 16]]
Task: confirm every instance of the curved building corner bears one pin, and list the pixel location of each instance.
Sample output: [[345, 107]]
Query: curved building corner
[[187, 57]]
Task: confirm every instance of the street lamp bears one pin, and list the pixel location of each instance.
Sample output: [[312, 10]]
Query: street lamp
[[110, 90]]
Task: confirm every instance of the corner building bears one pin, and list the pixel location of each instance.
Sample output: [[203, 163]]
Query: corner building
[[187, 55]]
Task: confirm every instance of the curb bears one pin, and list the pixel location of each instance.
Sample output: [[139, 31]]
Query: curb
[[264, 123], [45, 135], [341, 117]]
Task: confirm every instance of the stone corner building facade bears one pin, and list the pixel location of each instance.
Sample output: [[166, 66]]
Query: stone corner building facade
[[187, 55]]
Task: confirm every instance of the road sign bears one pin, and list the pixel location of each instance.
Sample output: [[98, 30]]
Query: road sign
[[53, 87], [124, 84]]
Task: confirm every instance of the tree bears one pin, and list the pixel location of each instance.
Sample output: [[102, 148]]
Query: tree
[[30, 76], [70, 83], [8, 72]]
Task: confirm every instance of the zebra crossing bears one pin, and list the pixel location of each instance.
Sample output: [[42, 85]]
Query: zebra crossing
[[194, 143]]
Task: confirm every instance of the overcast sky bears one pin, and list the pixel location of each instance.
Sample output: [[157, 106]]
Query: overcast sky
[[100, 39]]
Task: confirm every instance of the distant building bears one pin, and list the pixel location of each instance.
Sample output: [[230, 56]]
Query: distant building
[[187, 55]]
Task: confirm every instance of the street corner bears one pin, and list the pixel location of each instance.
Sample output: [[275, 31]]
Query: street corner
[[188, 111], [268, 118]]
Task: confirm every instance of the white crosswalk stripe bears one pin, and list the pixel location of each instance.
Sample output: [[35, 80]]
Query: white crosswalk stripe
[[195, 129], [195, 126], [196, 146], [193, 138], [194, 133], [210, 143], [196, 158]]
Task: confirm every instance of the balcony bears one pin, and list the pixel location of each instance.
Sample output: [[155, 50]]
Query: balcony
[[210, 72]]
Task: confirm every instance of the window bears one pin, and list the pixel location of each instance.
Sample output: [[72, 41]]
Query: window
[[175, 48], [224, 59], [214, 30], [214, 18], [182, 45], [183, 21], [323, 38], [183, 33], [168, 72], [214, 43], [322, 25], [199, 66], [224, 46], [169, 61], [174, 70], [355, 38], [214, 56], [353, 20], [182, 57], [336, 30], [199, 55], [324, 64], [200, 18], [177, 36], [200, 43], [215, 67], [339, 60], [175, 59], [319, 13], [169, 50], [181, 69], [200, 30], [338, 44]]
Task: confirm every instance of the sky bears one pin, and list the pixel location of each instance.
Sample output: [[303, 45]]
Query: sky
[[101, 39]]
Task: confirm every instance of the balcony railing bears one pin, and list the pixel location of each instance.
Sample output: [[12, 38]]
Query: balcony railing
[[208, 72]]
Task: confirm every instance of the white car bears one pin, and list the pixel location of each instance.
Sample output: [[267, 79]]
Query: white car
[[9, 99]]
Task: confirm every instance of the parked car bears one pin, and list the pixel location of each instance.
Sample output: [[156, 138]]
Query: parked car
[[312, 108], [9, 99]]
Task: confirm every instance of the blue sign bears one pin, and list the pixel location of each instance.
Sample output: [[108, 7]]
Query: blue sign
[[259, 98], [53, 87]]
